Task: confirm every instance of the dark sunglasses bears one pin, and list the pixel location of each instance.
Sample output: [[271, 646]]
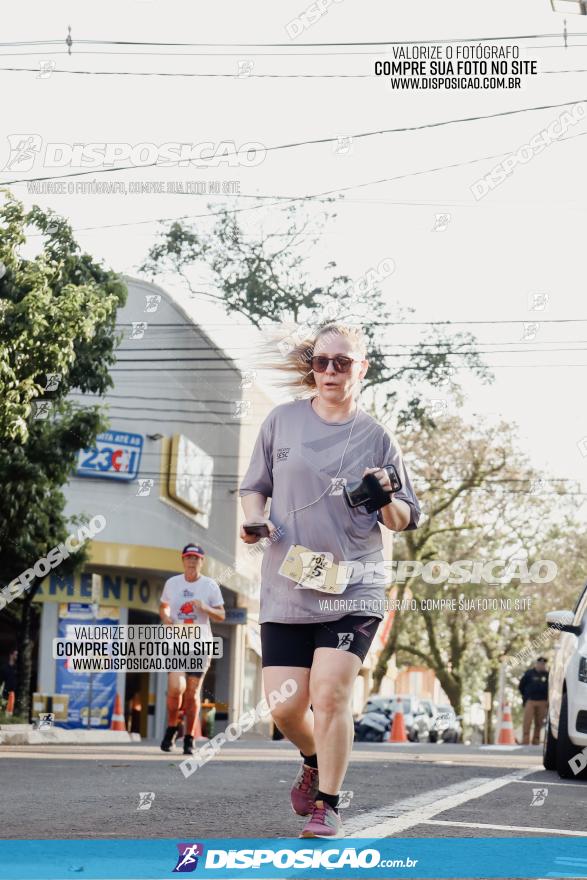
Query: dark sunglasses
[[340, 363]]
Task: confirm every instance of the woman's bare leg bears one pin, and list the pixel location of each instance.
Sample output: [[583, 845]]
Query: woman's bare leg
[[332, 678], [293, 717]]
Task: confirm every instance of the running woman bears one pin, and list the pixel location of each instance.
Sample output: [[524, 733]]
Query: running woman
[[188, 598], [304, 450]]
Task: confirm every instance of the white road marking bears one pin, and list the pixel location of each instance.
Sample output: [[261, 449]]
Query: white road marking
[[416, 810], [525, 828], [548, 782], [500, 748]]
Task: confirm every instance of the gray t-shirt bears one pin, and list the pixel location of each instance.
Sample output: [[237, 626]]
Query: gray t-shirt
[[296, 455]]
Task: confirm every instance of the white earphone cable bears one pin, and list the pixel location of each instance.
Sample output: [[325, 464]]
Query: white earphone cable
[[297, 509]]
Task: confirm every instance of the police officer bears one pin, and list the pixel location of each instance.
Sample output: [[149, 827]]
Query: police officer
[[534, 689]]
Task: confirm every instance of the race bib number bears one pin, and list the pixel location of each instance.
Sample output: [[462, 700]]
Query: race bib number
[[313, 570]]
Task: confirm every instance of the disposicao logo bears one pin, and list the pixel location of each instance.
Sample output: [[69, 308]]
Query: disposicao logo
[[187, 860]]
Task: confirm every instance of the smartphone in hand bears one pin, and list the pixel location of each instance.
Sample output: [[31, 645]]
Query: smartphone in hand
[[261, 530]]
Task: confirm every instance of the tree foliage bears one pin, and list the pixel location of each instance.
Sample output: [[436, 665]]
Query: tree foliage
[[57, 331], [478, 492], [262, 276]]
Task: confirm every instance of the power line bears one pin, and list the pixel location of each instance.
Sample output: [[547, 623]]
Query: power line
[[189, 74], [200, 370], [34, 43], [413, 349], [313, 141], [223, 480], [420, 481], [443, 40], [413, 346], [389, 323], [405, 354], [322, 45], [162, 409], [285, 200], [195, 75], [166, 398], [281, 55]]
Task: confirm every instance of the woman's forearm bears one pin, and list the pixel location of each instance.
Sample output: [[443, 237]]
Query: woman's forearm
[[396, 515], [253, 506]]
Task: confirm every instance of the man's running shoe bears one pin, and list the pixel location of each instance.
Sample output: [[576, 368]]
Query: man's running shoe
[[168, 739], [324, 822], [188, 744], [304, 791]]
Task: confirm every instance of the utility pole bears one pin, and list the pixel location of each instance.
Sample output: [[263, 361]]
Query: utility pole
[[501, 690], [96, 596]]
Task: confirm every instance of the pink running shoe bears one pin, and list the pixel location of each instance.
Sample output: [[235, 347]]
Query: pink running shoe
[[324, 822], [304, 791]]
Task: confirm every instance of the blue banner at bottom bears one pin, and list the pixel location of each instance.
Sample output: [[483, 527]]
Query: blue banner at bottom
[[252, 858]]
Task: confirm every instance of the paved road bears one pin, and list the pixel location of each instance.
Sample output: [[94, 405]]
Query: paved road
[[407, 790]]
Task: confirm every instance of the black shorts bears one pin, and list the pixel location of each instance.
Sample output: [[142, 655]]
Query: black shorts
[[293, 644]]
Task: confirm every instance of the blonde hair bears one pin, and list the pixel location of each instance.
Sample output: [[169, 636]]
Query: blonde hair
[[297, 351]]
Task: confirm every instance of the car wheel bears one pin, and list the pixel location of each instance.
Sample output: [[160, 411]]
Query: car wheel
[[549, 751], [565, 750]]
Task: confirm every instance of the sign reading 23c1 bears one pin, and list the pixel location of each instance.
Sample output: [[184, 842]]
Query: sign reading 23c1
[[116, 456]]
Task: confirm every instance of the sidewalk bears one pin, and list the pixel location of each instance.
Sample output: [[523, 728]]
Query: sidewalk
[[27, 735]]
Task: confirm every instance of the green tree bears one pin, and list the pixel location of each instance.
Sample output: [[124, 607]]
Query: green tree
[[57, 331], [262, 276], [478, 493]]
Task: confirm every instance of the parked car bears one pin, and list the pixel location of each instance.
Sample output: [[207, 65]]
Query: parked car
[[565, 740], [375, 722], [446, 725]]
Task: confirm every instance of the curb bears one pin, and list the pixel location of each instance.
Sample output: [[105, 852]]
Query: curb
[[24, 735]]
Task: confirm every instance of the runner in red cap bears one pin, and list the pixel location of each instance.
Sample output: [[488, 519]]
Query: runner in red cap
[[188, 598]]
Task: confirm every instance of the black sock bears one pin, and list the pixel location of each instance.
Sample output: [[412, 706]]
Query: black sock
[[310, 760], [330, 799]]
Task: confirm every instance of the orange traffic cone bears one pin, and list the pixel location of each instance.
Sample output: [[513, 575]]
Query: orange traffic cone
[[506, 729], [117, 722], [397, 733], [10, 703]]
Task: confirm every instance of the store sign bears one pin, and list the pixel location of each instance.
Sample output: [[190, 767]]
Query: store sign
[[118, 590], [116, 456], [190, 477]]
